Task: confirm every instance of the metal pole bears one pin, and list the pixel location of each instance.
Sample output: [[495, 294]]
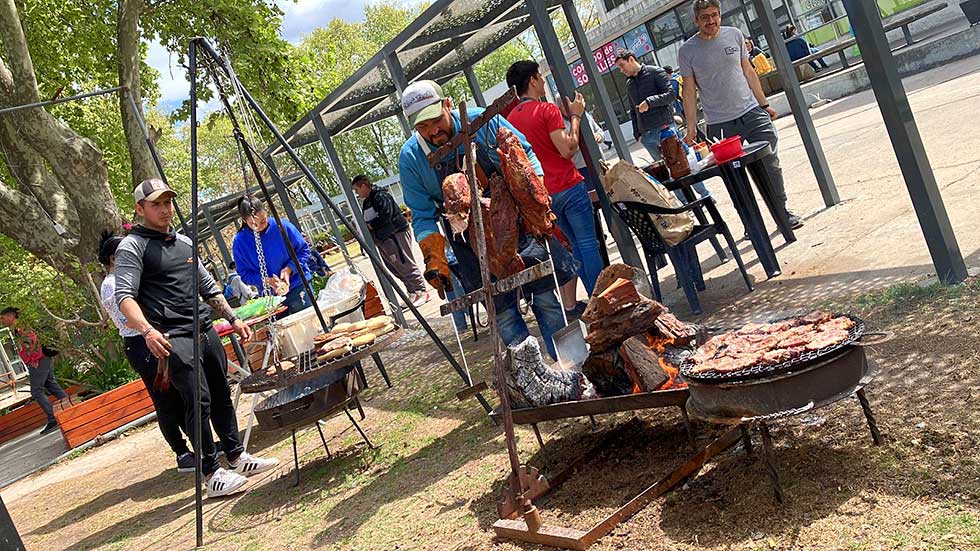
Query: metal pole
[[475, 86], [595, 80], [287, 204], [219, 239], [397, 74], [62, 100], [156, 159], [403, 121], [797, 103], [355, 208], [371, 253], [904, 134], [198, 499], [566, 87], [9, 538]]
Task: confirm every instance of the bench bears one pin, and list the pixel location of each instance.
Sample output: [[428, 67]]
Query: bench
[[26, 416], [104, 413]]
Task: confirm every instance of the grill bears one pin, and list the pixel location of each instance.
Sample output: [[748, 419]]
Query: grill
[[306, 402], [765, 370]]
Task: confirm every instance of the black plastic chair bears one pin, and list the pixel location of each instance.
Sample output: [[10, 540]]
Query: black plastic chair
[[684, 255]]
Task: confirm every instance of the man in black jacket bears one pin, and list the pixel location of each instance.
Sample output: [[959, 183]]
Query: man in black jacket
[[389, 228], [155, 291]]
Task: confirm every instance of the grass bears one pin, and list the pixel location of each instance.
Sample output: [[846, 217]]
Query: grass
[[905, 297], [336, 257]]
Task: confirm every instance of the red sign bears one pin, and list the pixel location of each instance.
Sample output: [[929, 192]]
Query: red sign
[[600, 60], [609, 51]]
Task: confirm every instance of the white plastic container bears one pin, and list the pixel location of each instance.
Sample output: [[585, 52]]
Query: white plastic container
[[295, 332]]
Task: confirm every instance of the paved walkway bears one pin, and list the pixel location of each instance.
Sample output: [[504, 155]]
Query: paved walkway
[[28, 452]]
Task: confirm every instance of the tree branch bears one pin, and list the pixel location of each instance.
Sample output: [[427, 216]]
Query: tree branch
[[18, 56]]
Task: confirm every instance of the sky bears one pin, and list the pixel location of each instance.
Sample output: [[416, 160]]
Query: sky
[[301, 17]]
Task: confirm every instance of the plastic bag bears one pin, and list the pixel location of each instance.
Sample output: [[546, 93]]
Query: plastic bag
[[625, 182], [343, 290]]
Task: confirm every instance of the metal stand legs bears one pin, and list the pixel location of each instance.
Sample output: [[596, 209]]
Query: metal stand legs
[[295, 459], [358, 427], [872, 424], [324, 440], [770, 462]]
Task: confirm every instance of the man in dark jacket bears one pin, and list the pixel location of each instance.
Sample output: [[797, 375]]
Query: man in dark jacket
[[389, 228]]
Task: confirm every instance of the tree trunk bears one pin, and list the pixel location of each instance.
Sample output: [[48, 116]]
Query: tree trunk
[[128, 44], [58, 176]]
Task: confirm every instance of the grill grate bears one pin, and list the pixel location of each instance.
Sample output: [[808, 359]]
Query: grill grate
[[764, 370]]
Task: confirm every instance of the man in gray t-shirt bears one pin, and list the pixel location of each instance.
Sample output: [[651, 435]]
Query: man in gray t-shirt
[[715, 63]]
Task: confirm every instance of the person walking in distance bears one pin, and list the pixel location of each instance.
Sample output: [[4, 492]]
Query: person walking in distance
[[715, 63], [167, 403], [543, 126], [40, 365], [389, 228], [652, 96], [155, 291]]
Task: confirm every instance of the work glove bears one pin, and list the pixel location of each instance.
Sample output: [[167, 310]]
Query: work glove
[[436, 265]]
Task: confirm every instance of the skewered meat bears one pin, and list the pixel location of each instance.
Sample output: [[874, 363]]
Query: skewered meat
[[526, 187], [457, 200], [757, 344], [503, 256]]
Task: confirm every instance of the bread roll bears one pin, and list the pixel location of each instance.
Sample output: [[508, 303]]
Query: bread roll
[[364, 339], [358, 326], [378, 322], [385, 330], [335, 353], [342, 328]]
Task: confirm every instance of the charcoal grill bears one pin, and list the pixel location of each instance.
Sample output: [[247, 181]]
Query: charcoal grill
[[807, 386]]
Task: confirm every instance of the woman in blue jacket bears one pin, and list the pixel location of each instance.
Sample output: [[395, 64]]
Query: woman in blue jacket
[[281, 274]]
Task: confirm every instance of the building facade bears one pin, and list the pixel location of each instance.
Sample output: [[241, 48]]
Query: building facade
[[655, 29]]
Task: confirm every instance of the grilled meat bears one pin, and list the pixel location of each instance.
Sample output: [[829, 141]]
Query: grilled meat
[[526, 187], [457, 200], [502, 221]]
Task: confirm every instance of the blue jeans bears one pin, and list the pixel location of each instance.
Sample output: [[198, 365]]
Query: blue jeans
[[296, 300], [574, 211], [459, 317], [547, 310], [651, 141]]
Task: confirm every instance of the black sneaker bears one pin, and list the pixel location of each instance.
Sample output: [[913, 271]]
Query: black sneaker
[[186, 462], [795, 222], [50, 427], [576, 312]]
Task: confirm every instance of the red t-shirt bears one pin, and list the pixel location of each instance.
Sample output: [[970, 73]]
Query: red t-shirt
[[537, 120]]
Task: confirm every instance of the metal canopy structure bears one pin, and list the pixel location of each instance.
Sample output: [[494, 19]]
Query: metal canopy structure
[[445, 41]]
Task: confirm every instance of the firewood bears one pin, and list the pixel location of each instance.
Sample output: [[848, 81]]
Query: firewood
[[642, 364], [680, 333], [609, 331], [615, 271], [618, 296], [605, 371]]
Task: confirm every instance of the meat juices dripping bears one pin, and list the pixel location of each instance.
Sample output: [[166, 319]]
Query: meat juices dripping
[[457, 200], [526, 187]]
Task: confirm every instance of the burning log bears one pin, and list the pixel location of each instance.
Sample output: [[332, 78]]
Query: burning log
[[620, 295], [643, 365], [610, 331], [532, 383], [605, 371]]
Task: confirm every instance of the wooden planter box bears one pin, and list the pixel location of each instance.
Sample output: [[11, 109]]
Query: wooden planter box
[[31, 417], [104, 413]]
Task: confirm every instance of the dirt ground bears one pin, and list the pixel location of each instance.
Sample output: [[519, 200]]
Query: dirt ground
[[433, 481]]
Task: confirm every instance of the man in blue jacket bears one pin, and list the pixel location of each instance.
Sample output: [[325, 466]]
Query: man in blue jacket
[[281, 274], [430, 112]]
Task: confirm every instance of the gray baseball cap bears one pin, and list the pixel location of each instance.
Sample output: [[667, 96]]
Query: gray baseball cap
[[151, 190]]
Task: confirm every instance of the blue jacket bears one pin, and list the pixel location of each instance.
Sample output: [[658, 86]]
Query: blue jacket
[[276, 254], [798, 48], [421, 186]]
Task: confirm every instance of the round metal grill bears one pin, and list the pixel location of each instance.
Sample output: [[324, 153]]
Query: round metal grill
[[764, 370]]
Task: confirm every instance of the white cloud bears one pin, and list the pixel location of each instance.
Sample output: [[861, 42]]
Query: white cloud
[[303, 16]]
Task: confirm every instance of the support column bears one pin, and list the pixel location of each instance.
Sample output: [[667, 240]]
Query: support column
[[906, 141], [355, 208], [475, 87], [218, 238], [397, 74], [287, 204], [797, 103], [566, 87], [595, 80]]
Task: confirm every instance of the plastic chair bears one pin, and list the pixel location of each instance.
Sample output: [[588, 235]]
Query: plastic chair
[[684, 255]]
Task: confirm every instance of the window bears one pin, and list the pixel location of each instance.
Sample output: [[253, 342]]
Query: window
[[666, 29], [612, 4], [686, 16], [668, 54]]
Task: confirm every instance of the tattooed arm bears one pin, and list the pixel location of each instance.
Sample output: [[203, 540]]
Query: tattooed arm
[[220, 305]]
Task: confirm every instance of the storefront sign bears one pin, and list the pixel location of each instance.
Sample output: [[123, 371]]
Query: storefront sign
[[579, 75], [638, 41]]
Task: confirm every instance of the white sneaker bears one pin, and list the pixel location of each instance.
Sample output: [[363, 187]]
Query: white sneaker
[[420, 298], [248, 465], [224, 482]]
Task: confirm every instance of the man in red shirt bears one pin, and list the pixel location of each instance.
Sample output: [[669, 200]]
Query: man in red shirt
[[40, 366], [543, 126]]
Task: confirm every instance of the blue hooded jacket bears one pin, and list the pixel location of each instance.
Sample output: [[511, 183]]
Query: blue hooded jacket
[[276, 254]]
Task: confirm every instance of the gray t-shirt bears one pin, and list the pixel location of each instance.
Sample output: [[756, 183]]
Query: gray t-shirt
[[717, 67]]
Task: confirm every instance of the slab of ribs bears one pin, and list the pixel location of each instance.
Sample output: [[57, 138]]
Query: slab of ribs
[[526, 187], [759, 344], [457, 200]]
